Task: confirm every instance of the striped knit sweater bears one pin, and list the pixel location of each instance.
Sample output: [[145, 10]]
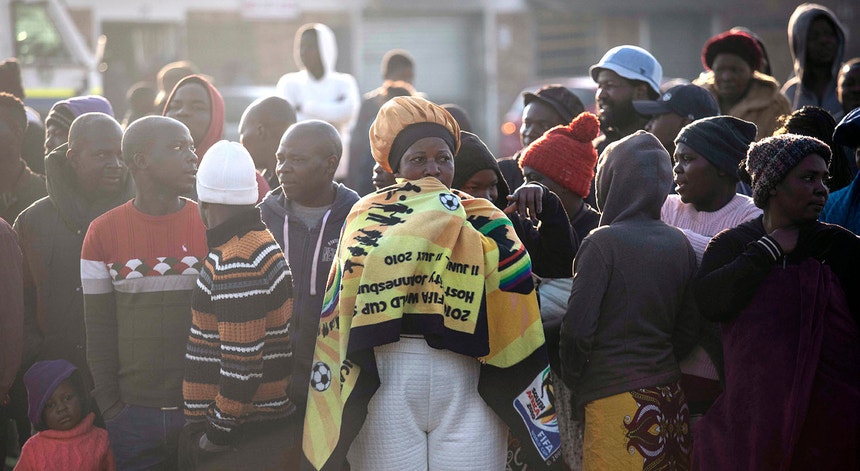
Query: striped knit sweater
[[238, 360]]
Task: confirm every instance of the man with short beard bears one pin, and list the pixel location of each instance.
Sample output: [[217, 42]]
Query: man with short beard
[[624, 73]]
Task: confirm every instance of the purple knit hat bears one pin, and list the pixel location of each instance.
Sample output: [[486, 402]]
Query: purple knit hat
[[41, 380], [65, 111], [769, 161]]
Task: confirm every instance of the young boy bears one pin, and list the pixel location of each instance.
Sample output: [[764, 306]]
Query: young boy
[[61, 412]]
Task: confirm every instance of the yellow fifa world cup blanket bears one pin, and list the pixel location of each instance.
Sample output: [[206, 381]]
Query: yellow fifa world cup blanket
[[417, 258]]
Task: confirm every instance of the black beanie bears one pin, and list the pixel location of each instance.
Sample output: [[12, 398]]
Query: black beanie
[[722, 140], [473, 157]]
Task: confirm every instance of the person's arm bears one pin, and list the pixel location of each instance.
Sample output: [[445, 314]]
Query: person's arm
[[579, 326], [731, 272], [698, 242], [32, 334], [27, 460], [688, 322], [551, 244], [840, 249], [11, 309], [283, 89], [109, 462], [341, 109], [101, 325]]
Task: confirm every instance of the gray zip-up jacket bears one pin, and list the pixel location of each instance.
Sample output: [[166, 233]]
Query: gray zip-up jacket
[[310, 252]]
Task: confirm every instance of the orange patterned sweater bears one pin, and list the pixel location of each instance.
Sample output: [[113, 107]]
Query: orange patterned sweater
[[239, 359]]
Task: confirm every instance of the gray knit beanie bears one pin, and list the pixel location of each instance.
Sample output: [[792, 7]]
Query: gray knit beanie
[[722, 140], [770, 160]]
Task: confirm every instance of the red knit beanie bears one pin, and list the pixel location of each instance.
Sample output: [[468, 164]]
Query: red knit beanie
[[732, 42], [565, 154]]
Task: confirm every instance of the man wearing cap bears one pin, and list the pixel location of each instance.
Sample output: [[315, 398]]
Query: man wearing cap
[[624, 73], [238, 361], [550, 106], [676, 108], [843, 206]]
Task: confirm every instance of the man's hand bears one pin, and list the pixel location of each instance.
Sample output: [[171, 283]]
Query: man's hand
[[526, 200], [113, 411], [206, 445]]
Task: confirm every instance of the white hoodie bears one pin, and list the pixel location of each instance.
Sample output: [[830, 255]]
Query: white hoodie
[[334, 98]]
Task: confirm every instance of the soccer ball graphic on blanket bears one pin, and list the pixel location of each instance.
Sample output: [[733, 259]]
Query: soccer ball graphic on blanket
[[320, 376]]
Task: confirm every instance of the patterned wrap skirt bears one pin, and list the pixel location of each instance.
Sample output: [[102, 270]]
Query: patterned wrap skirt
[[643, 429]]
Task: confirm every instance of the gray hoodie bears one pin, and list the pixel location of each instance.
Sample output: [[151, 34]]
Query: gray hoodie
[[798, 31], [631, 314]]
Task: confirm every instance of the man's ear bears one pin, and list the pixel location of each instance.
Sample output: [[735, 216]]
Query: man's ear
[[72, 158], [641, 92], [331, 163], [140, 160]]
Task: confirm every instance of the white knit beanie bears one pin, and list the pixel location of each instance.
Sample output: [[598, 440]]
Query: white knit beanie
[[227, 175]]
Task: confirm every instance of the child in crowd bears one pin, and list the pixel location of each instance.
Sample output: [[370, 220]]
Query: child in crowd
[[61, 412]]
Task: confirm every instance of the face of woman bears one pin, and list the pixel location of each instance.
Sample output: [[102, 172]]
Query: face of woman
[[697, 181], [427, 157], [732, 76], [800, 197]]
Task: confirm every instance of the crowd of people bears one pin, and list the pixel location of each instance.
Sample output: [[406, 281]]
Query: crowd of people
[[359, 283]]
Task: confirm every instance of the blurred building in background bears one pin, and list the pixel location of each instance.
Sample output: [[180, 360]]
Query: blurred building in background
[[476, 53]]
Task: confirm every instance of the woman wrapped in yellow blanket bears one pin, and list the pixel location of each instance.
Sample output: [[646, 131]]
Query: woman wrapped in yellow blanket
[[430, 344]]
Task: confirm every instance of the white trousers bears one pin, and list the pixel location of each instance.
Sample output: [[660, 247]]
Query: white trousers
[[427, 414]]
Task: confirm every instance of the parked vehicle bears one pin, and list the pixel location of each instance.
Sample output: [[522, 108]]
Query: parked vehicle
[[56, 62], [509, 143]]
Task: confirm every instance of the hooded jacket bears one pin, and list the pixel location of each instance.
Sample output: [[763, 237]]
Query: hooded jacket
[[310, 253], [215, 130], [333, 98], [51, 234], [798, 31], [216, 123], [762, 104], [631, 313]]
